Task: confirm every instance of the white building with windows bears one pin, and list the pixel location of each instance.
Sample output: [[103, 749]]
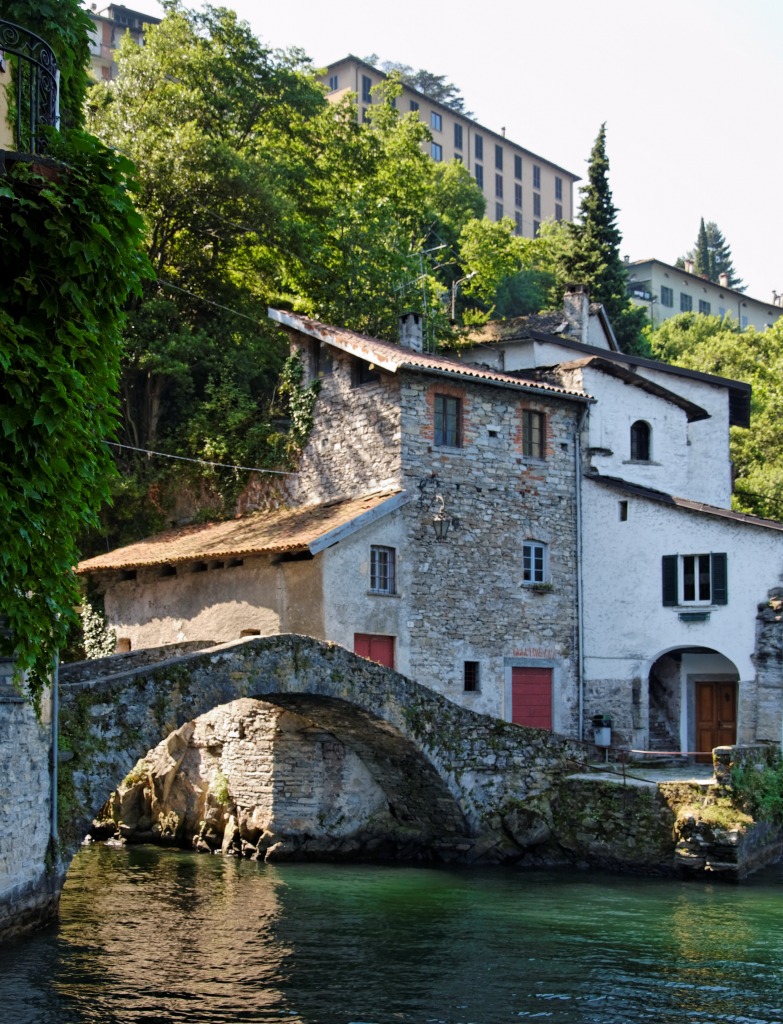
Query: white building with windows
[[516, 182], [664, 291], [539, 529]]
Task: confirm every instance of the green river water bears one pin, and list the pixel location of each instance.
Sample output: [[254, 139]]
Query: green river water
[[158, 936]]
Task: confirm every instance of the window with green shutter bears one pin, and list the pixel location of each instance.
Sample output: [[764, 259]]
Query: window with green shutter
[[694, 579]]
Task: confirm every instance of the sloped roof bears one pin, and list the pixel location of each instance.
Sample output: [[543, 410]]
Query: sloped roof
[[394, 358], [685, 503], [284, 529], [621, 372]]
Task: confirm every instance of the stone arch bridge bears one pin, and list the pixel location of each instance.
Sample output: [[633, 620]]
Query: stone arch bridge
[[470, 787]]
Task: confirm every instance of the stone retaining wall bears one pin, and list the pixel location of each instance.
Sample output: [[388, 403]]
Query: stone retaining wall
[[29, 880]]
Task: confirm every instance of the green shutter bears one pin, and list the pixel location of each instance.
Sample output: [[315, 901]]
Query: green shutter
[[669, 574], [720, 585]]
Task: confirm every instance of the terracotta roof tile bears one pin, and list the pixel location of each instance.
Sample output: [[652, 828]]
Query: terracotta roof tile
[[394, 358], [285, 529]]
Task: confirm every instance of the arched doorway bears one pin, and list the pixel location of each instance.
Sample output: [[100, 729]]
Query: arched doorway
[[693, 702]]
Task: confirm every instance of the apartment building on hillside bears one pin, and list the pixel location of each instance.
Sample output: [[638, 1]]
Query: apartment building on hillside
[[665, 290], [516, 183], [110, 23]]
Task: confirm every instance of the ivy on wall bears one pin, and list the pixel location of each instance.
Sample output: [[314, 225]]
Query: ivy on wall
[[70, 257]]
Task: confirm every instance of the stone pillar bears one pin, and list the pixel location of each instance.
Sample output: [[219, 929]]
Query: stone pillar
[[768, 659], [30, 878]]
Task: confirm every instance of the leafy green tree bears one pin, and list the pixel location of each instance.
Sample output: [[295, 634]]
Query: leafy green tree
[[714, 345], [437, 87], [711, 256], [217, 124], [70, 258]]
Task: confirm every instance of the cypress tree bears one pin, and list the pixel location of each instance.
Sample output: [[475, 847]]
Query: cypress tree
[[594, 257]]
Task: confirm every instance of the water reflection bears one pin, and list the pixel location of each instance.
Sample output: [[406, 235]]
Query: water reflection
[[153, 935]]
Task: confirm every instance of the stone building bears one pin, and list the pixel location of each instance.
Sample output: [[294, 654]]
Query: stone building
[[591, 562], [403, 442]]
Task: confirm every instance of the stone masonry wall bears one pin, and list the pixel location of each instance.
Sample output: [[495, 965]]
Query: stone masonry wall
[[768, 659], [28, 890], [470, 600], [354, 446], [475, 787]]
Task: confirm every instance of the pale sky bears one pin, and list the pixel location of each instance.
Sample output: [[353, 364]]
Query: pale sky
[[687, 89]]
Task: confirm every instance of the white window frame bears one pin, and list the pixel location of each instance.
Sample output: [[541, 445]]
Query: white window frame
[[692, 566], [383, 569], [535, 563]]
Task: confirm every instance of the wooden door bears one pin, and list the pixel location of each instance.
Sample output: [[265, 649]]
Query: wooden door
[[531, 697], [716, 717], [375, 647]]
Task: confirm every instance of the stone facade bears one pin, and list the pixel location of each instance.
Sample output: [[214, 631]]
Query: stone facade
[[29, 878], [462, 600]]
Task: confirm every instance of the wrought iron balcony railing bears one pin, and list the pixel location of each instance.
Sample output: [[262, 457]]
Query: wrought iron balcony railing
[[31, 79]]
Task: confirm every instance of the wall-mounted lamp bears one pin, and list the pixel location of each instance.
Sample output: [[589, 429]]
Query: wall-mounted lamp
[[441, 521]]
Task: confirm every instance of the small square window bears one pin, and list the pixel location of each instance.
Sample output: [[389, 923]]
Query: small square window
[[448, 421], [414, 105], [533, 433], [363, 373], [436, 151], [471, 677], [436, 121], [383, 570]]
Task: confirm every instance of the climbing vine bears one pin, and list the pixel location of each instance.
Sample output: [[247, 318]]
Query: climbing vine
[[299, 400], [69, 260]]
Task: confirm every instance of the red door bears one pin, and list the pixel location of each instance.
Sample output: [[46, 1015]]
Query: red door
[[531, 697], [375, 647]]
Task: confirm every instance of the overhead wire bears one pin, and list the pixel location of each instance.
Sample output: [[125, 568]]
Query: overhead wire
[[201, 462]]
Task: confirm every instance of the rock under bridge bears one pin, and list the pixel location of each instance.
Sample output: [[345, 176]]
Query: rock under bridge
[[459, 785]]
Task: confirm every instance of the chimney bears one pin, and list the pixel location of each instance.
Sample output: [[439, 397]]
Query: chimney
[[689, 266], [411, 331], [723, 279], [576, 307]]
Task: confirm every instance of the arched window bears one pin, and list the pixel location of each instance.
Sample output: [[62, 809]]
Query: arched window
[[640, 441]]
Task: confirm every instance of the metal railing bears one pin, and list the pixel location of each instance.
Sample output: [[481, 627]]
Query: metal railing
[[34, 97]]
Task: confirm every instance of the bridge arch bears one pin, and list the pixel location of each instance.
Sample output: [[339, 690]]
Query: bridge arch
[[450, 772]]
